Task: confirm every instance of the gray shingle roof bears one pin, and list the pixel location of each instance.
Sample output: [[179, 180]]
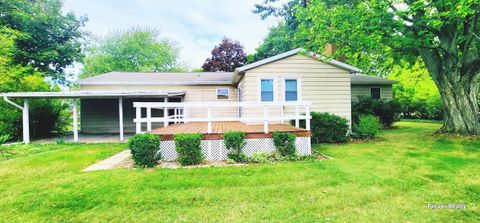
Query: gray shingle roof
[[160, 78], [361, 79]]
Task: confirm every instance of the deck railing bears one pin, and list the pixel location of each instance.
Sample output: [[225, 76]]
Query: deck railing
[[181, 113]]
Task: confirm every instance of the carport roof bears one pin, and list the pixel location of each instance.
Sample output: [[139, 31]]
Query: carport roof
[[92, 94]]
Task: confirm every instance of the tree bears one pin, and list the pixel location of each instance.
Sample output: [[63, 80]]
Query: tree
[[49, 41], [278, 40], [227, 56], [136, 49], [46, 116], [444, 34]]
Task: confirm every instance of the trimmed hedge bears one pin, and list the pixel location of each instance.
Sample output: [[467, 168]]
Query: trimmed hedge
[[234, 142], [188, 147], [367, 127], [284, 143], [145, 149], [327, 128]]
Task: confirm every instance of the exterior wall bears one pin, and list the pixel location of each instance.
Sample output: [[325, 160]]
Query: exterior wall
[[193, 94], [326, 86], [385, 90], [101, 115]]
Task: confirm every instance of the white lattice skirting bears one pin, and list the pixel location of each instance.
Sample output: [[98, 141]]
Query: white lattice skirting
[[215, 149]]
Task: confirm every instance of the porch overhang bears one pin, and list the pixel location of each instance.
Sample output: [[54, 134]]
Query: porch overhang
[[93, 94]]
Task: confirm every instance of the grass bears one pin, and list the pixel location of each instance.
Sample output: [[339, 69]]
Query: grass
[[388, 180]]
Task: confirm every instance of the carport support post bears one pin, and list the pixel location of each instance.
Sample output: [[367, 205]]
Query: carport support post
[[75, 121], [120, 117], [26, 127]]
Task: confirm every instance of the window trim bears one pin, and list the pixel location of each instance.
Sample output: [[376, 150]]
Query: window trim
[[299, 87], [259, 87], [380, 90], [228, 94]]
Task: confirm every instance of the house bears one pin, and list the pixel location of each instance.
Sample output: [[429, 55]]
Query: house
[[260, 97]]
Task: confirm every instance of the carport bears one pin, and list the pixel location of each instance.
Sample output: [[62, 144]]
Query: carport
[[118, 95]]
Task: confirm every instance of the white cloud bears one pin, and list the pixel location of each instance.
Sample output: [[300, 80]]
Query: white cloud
[[196, 25]]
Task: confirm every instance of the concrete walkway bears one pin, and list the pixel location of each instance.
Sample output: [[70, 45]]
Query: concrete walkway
[[110, 162]]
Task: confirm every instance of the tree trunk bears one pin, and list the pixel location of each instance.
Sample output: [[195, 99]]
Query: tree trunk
[[460, 104]]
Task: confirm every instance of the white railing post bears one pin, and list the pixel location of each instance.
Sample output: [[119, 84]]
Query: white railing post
[[138, 123], [282, 113], [297, 121], [265, 117], [149, 116], [75, 121], [209, 117], [165, 114], [307, 119]]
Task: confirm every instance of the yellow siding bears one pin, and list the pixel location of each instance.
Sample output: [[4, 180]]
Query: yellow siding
[[326, 86], [193, 94], [357, 90]]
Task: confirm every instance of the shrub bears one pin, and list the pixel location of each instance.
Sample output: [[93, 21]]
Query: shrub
[[144, 149], [260, 158], [367, 127], [386, 110], [284, 143], [327, 128], [234, 142], [188, 148]]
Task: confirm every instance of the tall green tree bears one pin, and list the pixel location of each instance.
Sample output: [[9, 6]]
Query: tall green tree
[[136, 49], [49, 41], [278, 40], [444, 34]]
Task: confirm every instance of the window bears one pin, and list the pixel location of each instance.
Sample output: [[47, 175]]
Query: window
[[222, 94], [266, 90], [291, 90], [375, 93]]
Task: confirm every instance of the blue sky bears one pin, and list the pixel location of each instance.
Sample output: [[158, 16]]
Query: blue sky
[[196, 25]]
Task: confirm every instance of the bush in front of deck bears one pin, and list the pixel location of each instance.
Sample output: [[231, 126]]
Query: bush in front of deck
[[145, 149], [284, 143], [189, 150], [328, 128], [234, 142]]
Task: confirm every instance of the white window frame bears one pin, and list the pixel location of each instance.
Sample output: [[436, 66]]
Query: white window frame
[[370, 93], [299, 87], [275, 87], [228, 94]]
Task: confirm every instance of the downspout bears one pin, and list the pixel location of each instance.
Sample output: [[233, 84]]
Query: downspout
[[12, 103]]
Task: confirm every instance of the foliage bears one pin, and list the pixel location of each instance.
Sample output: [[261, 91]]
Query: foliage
[[378, 34], [387, 110], [4, 139], [234, 142], [284, 143], [367, 128], [46, 116], [188, 148], [278, 40], [60, 140], [417, 93], [260, 158], [48, 39], [327, 128], [145, 149], [136, 49], [227, 56]]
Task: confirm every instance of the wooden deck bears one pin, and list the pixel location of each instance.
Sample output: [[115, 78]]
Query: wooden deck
[[218, 128]]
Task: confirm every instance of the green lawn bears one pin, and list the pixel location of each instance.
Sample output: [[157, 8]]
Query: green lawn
[[388, 180]]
